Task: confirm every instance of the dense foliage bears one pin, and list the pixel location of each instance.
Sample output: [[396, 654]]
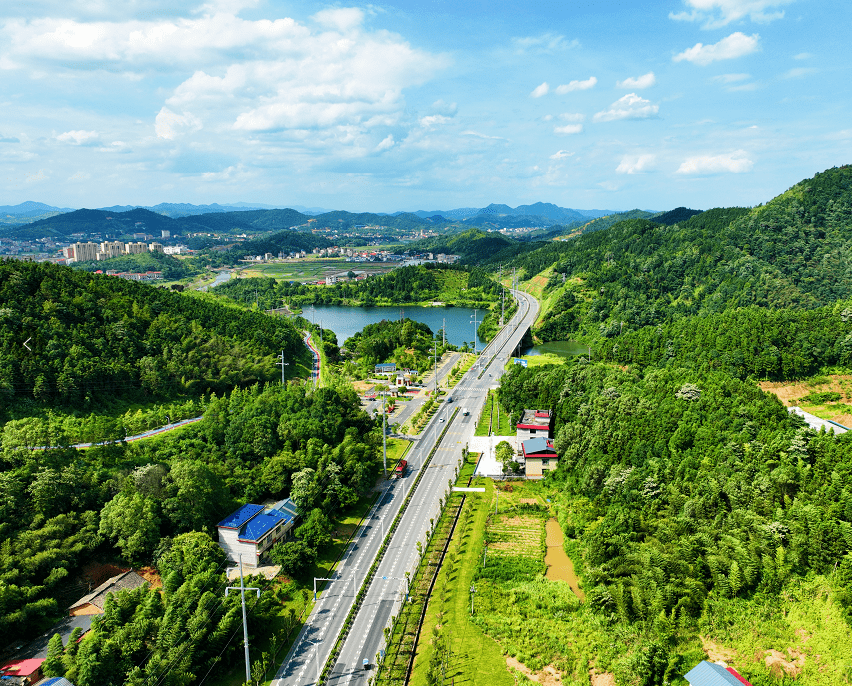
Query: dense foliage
[[679, 488], [93, 335], [751, 341], [452, 285], [406, 342], [59, 507], [171, 267]]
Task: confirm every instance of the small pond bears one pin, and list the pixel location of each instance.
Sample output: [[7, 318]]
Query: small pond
[[559, 565], [559, 348]]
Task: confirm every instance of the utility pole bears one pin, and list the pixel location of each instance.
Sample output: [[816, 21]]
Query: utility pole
[[242, 588], [436, 370], [474, 322], [444, 334], [283, 364], [384, 438]]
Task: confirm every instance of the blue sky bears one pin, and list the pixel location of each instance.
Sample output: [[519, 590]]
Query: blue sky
[[421, 105]]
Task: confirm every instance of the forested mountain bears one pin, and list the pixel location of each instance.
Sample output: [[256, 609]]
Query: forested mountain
[[679, 214], [406, 342], [792, 252], [230, 222], [94, 335], [474, 245], [282, 241]]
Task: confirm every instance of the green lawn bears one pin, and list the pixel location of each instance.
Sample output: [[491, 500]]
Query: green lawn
[[499, 423]]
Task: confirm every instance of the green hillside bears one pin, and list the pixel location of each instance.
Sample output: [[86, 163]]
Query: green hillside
[[474, 245], [97, 337], [171, 267], [790, 253]]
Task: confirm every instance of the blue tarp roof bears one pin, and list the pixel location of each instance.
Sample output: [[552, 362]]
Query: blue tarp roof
[[710, 674], [386, 365], [241, 516], [262, 524], [56, 681]]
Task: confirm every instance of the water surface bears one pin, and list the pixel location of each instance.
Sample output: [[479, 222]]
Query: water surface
[[558, 348], [347, 321]]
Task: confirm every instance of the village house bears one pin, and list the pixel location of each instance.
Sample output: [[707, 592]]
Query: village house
[[21, 672], [539, 457], [93, 603], [253, 529], [712, 674], [535, 424]]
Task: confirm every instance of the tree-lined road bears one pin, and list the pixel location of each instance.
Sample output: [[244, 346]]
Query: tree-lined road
[[387, 589]]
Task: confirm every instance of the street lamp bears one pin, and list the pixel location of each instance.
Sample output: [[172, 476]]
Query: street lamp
[[474, 322], [316, 654]]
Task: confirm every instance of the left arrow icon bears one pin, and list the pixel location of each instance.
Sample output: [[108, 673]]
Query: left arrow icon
[[27, 341]]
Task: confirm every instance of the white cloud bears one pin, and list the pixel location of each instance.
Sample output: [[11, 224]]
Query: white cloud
[[799, 72], [78, 137], [386, 144], [572, 116], [568, 129], [433, 120], [731, 78], [718, 13], [538, 91], [630, 106], [802, 56], [638, 82], [577, 85], [735, 45], [80, 176], [343, 19], [636, 164], [736, 162], [545, 43], [561, 155], [169, 125]]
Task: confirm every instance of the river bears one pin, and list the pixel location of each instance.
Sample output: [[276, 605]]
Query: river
[[346, 321]]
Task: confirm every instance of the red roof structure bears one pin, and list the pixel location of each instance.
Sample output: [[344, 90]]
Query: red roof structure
[[22, 669]]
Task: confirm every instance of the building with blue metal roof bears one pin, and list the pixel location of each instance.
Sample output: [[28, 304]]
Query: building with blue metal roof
[[252, 530], [711, 674]]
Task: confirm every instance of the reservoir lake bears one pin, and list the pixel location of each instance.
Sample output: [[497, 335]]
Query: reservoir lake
[[346, 321]]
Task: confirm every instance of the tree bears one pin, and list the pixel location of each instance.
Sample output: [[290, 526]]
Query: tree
[[53, 664], [295, 557], [190, 553], [504, 454], [197, 496], [316, 531], [133, 521]]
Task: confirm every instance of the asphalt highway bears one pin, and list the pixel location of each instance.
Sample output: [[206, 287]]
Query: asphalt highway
[[386, 592]]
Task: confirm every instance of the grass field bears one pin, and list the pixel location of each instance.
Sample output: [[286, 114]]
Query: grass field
[[495, 417], [310, 269]]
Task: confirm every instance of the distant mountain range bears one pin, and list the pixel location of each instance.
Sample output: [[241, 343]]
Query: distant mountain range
[[37, 210], [539, 214], [30, 209]]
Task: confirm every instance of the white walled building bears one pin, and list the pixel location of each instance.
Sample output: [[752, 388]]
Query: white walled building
[[254, 529]]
